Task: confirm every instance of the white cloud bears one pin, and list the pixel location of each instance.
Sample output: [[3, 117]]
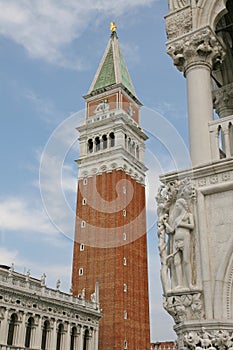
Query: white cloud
[[44, 107], [44, 28], [19, 215], [22, 264], [7, 256]]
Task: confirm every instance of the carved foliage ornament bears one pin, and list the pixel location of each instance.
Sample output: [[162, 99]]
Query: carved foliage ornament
[[213, 340], [223, 97], [184, 307], [199, 47]]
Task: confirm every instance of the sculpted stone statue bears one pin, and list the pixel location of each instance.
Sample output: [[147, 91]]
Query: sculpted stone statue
[[179, 227]]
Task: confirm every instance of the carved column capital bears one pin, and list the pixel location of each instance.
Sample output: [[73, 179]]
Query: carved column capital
[[223, 100], [201, 47]]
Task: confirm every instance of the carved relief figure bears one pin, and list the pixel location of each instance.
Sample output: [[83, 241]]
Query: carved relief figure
[[103, 106], [162, 245], [179, 227]]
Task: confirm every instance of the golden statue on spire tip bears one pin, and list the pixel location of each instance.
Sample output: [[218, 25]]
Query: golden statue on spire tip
[[113, 27]]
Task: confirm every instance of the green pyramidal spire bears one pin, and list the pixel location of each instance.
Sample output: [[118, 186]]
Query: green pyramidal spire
[[112, 69]]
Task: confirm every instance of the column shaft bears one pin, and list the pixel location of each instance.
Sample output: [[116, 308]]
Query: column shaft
[[200, 111]]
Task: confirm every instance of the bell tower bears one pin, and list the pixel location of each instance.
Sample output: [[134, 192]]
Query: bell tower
[[110, 235]]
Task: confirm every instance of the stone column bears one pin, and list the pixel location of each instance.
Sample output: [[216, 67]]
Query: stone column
[[95, 347], [19, 337], [67, 337], [223, 100], [38, 334], [52, 338], [80, 340], [196, 55], [4, 327]]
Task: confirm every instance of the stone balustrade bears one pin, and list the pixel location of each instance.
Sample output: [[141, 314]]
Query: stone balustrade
[[221, 138]]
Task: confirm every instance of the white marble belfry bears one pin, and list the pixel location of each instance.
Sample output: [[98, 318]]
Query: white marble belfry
[[195, 206]]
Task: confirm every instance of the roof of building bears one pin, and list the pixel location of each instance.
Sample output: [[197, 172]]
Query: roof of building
[[112, 69]]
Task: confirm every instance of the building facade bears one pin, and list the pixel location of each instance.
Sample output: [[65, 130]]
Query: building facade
[[110, 237], [35, 317], [195, 221]]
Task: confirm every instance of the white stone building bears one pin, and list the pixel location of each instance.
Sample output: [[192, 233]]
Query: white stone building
[[33, 316], [195, 206]]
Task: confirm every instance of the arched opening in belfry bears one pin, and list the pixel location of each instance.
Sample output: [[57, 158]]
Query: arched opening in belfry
[[224, 30], [112, 139]]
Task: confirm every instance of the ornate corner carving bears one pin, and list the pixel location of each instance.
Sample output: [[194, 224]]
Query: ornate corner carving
[[200, 47], [179, 23], [175, 227], [213, 340], [185, 306], [223, 100]]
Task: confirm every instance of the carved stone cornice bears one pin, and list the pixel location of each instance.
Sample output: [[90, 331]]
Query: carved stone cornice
[[201, 47], [223, 100]]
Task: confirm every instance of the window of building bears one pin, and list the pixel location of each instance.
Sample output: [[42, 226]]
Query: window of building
[[125, 315], [73, 337], [60, 332], [84, 182], [125, 345], [124, 261], [105, 141], [28, 335], [85, 340], [97, 143], [124, 236], [81, 247], [124, 212], [84, 201], [90, 145], [124, 189], [45, 335], [83, 224], [137, 152], [80, 272], [11, 329], [112, 139], [125, 288]]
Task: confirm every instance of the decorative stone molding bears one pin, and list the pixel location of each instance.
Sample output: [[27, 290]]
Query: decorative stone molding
[[184, 306], [213, 340], [223, 100], [175, 225], [199, 47], [179, 23], [178, 4]]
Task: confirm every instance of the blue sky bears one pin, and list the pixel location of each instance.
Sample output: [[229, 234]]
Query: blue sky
[[50, 51]]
